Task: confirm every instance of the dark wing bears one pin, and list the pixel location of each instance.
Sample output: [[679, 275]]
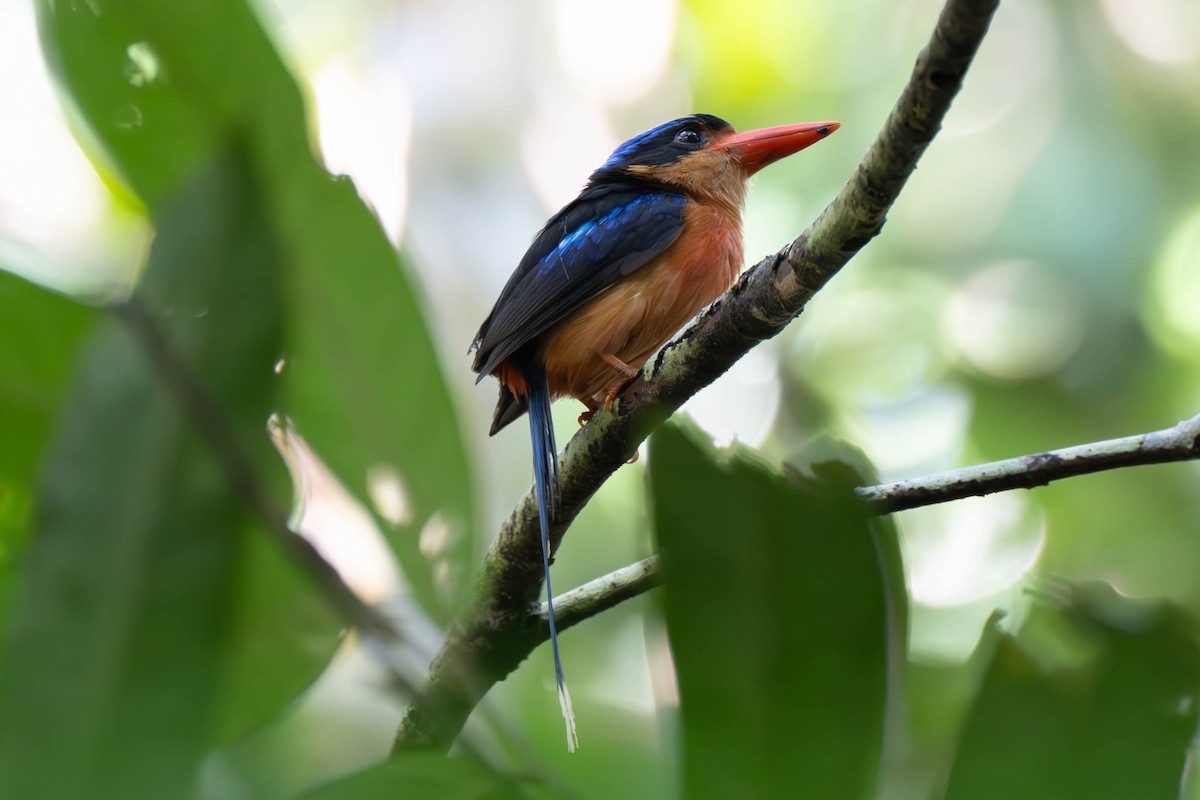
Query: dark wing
[[606, 233]]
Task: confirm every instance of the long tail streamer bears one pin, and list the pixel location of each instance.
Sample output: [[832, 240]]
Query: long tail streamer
[[545, 472]]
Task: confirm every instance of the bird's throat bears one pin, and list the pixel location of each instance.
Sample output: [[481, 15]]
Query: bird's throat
[[710, 177]]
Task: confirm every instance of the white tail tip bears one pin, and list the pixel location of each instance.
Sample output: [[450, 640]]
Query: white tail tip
[[564, 700]]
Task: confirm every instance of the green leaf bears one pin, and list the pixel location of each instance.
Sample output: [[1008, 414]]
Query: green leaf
[[362, 382], [33, 379], [113, 657], [49, 328], [282, 637], [786, 619], [418, 775], [1096, 699]]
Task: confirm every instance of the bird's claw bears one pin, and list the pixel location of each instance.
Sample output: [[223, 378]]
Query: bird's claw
[[611, 396]]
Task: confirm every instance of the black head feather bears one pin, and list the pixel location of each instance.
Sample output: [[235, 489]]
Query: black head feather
[[662, 145]]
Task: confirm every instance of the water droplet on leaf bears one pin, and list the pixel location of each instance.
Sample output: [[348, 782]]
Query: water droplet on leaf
[[141, 65], [128, 117]]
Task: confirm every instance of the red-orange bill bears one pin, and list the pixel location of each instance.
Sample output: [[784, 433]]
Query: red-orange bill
[[758, 148]]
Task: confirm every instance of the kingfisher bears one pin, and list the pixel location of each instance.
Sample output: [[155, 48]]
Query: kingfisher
[[654, 237]]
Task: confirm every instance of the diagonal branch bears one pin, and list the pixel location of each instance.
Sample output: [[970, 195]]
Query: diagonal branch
[[495, 633], [1180, 442]]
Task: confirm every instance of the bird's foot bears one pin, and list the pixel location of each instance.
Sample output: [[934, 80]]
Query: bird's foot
[[627, 375]]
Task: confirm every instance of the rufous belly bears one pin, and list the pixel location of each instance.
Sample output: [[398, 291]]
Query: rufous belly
[[634, 317]]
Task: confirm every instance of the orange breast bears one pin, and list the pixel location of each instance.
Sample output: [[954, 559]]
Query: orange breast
[[634, 317]]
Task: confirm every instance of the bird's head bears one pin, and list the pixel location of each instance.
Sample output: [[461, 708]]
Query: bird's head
[[703, 156]]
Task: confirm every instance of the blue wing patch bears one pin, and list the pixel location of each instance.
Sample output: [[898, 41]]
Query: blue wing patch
[[627, 229], [607, 233]]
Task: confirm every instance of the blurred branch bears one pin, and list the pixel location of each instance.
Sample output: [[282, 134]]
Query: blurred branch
[[1180, 442], [208, 418], [495, 632], [380, 637]]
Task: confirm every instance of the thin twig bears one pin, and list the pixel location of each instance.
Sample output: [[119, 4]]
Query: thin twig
[[1180, 442], [495, 633], [601, 594]]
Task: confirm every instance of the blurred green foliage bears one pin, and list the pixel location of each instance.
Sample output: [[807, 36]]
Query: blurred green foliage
[[1035, 287], [33, 379], [780, 693], [1091, 701], [200, 79], [424, 775], [124, 621]]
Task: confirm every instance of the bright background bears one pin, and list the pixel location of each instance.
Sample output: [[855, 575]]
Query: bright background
[[1036, 286]]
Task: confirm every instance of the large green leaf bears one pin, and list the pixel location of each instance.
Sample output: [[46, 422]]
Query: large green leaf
[[214, 274], [1095, 699], [44, 331], [282, 636], [113, 657], [419, 775], [787, 620], [162, 85]]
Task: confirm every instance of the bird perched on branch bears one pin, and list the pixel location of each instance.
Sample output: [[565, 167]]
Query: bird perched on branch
[[653, 238]]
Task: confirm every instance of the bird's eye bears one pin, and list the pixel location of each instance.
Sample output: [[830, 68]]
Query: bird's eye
[[689, 136]]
